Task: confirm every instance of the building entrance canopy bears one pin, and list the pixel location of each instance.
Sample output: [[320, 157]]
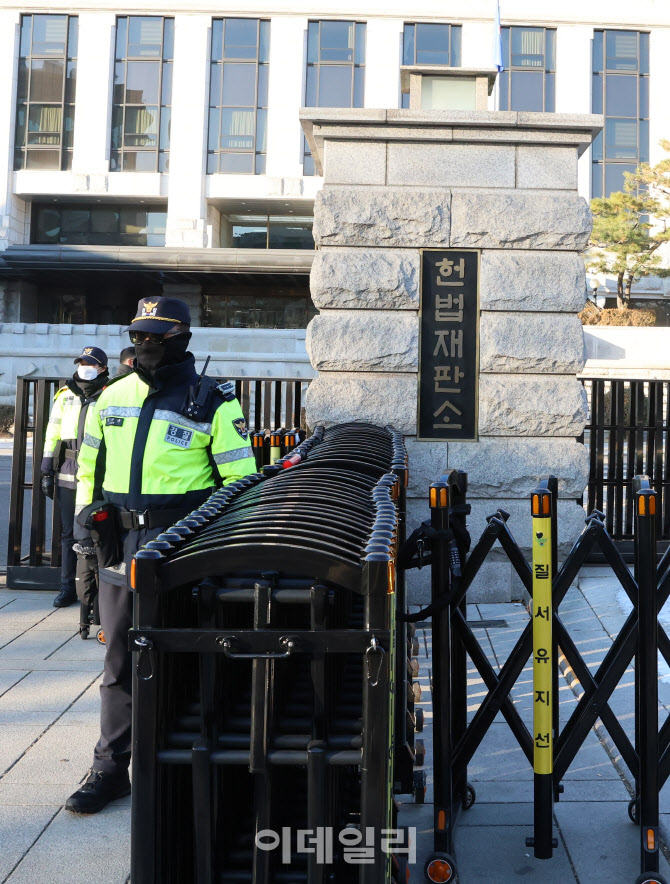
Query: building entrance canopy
[[19, 260]]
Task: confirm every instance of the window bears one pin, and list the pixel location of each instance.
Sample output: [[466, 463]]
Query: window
[[238, 96], [46, 90], [142, 94], [280, 305], [528, 81], [335, 69], [271, 232], [98, 225], [425, 43], [620, 91]]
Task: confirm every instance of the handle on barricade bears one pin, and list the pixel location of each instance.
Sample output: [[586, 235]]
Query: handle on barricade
[[258, 446], [543, 688], [276, 444]]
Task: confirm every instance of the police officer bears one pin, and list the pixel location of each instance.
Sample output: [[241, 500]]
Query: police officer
[[126, 360], [59, 462], [154, 463]]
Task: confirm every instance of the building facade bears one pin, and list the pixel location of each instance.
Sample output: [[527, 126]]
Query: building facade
[[157, 147]]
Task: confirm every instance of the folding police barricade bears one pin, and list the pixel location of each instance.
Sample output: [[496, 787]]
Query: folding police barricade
[[549, 749], [264, 675]]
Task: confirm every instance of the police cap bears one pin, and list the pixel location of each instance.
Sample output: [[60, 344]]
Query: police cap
[[92, 355], [158, 315]]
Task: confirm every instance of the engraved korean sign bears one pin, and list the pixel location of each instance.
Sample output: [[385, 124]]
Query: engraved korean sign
[[449, 345]]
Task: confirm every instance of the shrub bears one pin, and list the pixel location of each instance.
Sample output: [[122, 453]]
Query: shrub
[[6, 418], [592, 315]]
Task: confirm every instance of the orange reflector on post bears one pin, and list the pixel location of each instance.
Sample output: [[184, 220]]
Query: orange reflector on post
[[439, 871], [646, 505], [540, 504], [441, 821], [133, 568], [651, 840], [438, 496]]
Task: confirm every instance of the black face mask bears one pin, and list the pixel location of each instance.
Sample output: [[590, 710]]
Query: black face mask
[[151, 357], [90, 387]]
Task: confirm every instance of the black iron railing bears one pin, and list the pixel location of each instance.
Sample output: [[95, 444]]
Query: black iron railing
[[627, 435], [33, 554]]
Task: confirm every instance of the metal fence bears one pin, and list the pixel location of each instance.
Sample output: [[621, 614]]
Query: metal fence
[[627, 435], [33, 553]]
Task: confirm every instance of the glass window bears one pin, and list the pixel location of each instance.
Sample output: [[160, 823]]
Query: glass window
[[429, 43], [238, 96], [335, 69], [620, 91], [98, 225], [620, 138], [46, 92], [271, 232], [286, 232], [335, 83], [527, 89], [529, 59], [275, 305], [142, 94], [621, 50]]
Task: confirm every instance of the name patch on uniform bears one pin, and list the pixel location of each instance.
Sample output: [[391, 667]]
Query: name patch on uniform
[[240, 425], [114, 422], [178, 436]]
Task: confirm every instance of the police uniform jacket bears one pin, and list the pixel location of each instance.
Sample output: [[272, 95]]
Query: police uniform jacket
[[65, 432], [142, 454]]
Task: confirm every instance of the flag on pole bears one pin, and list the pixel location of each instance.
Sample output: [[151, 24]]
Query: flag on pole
[[497, 41]]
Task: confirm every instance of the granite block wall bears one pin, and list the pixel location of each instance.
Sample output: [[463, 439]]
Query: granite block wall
[[382, 202]]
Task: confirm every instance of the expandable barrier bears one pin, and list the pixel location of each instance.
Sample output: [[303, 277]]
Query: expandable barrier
[[549, 749], [33, 562], [269, 668]]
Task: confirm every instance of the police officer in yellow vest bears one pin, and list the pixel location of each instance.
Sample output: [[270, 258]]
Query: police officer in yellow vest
[[59, 463], [156, 445]]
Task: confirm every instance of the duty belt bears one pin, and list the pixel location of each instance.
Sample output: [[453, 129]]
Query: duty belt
[[132, 520], [71, 454]]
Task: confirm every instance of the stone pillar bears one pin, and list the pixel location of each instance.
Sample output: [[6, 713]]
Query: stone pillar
[[186, 214], [190, 294], [14, 220], [92, 115], [288, 47], [504, 183], [18, 301]]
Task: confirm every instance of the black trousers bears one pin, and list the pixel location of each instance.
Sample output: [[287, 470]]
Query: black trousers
[[112, 753], [65, 498], [115, 603]]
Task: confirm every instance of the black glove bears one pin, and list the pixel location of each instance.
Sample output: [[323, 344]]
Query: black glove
[[47, 484]]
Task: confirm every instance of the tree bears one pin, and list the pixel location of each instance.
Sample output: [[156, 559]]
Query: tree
[[629, 228]]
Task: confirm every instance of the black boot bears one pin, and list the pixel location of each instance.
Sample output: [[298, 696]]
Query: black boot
[[98, 790], [67, 596]]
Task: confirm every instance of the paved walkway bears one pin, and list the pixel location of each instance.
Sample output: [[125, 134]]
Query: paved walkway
[[48, 724]]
